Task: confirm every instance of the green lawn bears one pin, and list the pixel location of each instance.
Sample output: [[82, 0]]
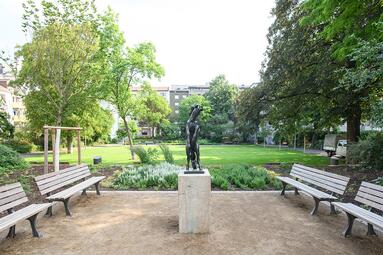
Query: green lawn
[[210, 155]]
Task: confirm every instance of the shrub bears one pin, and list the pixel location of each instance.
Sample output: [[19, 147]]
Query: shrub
[[168, 155], [161, 176], [146, 156], [10, 160], [368, 152], [20, 145], [244, 177]]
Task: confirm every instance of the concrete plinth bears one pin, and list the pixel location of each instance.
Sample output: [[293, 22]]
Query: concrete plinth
[[194, 191]]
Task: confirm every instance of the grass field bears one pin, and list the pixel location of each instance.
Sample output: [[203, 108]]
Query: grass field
[[217, 155]]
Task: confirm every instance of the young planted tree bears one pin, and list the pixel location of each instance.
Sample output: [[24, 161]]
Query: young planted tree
[[154, 108]]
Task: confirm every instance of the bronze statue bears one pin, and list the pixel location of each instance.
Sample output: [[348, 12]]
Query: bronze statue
[[192, 130]]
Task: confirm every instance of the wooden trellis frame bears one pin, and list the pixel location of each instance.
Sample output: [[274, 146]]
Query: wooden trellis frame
[[56, 160]]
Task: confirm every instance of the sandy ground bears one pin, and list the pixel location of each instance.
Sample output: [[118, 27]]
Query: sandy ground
[[147, 223]]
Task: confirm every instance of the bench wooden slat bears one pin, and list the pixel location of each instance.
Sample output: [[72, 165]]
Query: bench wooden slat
[[62, 179], [12, 198], [41, 177], [10, 186], [371, 191], [339, 182], [310, 190], [59, 175], [13, 204], [76, 188], [304, 178], [373, 186], [361, 213], [50, 189], [369, 203], [368, 196], [22, 214], [336, 176], [10, 192], [323, 183]]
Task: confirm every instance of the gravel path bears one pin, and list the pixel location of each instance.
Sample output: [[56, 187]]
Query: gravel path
[[147, 223]]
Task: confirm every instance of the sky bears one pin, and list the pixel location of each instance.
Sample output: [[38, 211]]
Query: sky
[[196, 40]]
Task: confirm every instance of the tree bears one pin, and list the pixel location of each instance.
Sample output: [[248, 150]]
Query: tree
[[351, 27], [124, 67], [154, 108], [6, 128]]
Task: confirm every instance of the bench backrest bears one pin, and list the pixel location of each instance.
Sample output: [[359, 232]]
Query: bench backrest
[[50, 182], [371, 195], [11, 195], [329, 181]]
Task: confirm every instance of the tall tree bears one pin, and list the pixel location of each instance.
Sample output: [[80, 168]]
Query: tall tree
[[124, 67], [351, 27], [154, 108]]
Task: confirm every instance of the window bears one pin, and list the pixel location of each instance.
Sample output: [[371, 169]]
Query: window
[[176, 97], [184, 96], [176, 103], [176, 111]]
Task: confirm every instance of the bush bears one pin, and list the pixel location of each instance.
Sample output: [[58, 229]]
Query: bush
[[20, 145], [244, 177], [161, 176], [168, 155], [146, 156], [367, 152], [10, 160]]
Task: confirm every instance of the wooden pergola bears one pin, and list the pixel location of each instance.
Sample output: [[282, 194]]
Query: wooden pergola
[[56, 145]]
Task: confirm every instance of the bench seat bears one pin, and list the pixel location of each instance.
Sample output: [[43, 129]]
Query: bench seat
[[52, 182], [11, 196], [22, 214], [76, 188], [310, 179], [310, 190], [370, 195]]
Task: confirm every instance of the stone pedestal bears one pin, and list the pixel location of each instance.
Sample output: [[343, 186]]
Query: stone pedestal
[[194, 191]]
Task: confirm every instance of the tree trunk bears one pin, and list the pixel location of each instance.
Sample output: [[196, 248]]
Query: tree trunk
[[129, 137], [69, 144], [353, 123], [56, 162]]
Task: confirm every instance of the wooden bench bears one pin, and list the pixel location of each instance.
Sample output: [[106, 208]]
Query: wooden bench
[[334, 183], [49, 183], [13, 195], [370, 195]]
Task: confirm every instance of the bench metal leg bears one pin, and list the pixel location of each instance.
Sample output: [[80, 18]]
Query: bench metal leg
[[66, 205], [284, 184], [315, 209], [32, 220], [49, 211], [370, 230], [296, 192], [12, 232], [97, 186], [332, 209], [83, 192], [350, 219]]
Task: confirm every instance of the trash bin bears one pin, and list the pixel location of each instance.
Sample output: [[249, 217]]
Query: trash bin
[[334, 161], [97, 160]]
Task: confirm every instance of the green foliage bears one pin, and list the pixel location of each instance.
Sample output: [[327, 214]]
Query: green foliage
[[20, 145], [368, 152], [10, 160], [148, 156], [244, 177], [6, 128], [168, 155], [161, 176], [187, 103], [154, 108]]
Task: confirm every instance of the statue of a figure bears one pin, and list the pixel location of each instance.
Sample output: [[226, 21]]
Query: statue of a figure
[[192, 130]]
